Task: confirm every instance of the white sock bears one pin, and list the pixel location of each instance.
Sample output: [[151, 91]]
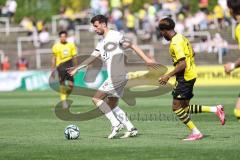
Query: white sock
[[122, 117], [195, 131], [108, 113], [213, 109]]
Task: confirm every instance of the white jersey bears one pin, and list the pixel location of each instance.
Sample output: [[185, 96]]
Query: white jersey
[[112, 55]]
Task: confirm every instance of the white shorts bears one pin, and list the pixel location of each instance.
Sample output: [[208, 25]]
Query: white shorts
[[113, 89]]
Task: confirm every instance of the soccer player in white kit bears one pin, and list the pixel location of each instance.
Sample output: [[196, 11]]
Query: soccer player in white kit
[[110, 51]]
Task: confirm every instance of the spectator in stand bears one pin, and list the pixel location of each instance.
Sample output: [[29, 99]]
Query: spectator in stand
[[219, 15], [180, 24], [130, 21], [203, 5], [117, 19], [22, 64], [126, 3], [220, 45], [27, 23], [116, 3], [69, 15], [142, 16], [95, 6], [71, 37], [11, 8], [5, 64], [40, 25], [44, 36], [151, 14], [104, 7], [1, 7]]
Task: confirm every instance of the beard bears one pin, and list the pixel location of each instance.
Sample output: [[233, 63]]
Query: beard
[[100, 33]]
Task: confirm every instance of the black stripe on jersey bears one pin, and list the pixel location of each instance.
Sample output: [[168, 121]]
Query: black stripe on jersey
[[97, 50]]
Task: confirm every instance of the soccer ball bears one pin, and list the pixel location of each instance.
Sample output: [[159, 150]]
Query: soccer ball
[[71, 132]]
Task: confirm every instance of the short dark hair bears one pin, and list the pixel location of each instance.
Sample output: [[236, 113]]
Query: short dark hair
[[166, 24], [100, 19], [62, 32], [234, 5]]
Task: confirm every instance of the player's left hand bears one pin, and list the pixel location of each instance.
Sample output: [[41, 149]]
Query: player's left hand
[[164, 79]]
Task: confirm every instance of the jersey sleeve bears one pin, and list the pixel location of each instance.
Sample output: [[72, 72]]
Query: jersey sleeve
[[179, 51], [237, 35], [95, 53], [74, 50]]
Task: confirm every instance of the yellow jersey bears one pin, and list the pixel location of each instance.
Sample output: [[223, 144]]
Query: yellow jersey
[[218, 12], [64, 52], [237, 34], [180, 49]]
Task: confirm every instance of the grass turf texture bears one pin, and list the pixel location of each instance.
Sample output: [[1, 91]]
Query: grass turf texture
[[30, 129]]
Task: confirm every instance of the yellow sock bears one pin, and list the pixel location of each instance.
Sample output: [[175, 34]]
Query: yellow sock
[[184, 117], [237, 113], [191, 125], [200, 108], [206, 109], [63, 95]]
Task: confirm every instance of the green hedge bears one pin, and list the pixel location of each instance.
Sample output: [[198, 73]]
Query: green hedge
[[44, 9]]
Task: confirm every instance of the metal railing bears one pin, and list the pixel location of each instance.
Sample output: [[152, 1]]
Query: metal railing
[[1, 55], [7, 25], [39, 52], [8, 29], [20, 40], [192, 35]]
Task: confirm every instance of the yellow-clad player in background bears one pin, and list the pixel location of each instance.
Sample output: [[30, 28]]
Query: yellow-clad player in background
[[63, 58], [234, 7], [185, 72]]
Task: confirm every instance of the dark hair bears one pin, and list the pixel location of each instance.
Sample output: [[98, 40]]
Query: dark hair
[[100, 19], [62, 32], [234, 5], [166, 24]]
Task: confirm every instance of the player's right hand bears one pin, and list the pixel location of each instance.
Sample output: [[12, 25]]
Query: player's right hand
[[72, 71], [152, 64], [229, 67]]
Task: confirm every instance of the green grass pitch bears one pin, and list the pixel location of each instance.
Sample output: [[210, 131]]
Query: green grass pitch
[[30, 130]]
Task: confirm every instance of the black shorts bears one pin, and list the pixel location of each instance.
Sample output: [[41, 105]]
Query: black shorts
[[62, 72], [183, 89]]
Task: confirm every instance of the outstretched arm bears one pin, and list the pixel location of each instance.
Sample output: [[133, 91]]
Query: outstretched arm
[[229, 67], [179, 68], [141, 54], [85, 63]]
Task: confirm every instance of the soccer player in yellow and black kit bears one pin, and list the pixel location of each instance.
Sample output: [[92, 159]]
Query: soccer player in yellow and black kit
[[234, 8], [63, 58], [185, 71]]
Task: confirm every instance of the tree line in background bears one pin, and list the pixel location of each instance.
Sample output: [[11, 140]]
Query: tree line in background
[[44, 9]]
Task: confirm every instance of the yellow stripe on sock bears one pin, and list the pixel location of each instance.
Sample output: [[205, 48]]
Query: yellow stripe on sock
[[206, 109], [179, 111]]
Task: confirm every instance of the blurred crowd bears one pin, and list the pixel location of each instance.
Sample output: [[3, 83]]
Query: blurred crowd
[[21, 64], [141, 23], [9, 9]]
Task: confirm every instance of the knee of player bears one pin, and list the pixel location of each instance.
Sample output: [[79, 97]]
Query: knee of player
[[175, 106]]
